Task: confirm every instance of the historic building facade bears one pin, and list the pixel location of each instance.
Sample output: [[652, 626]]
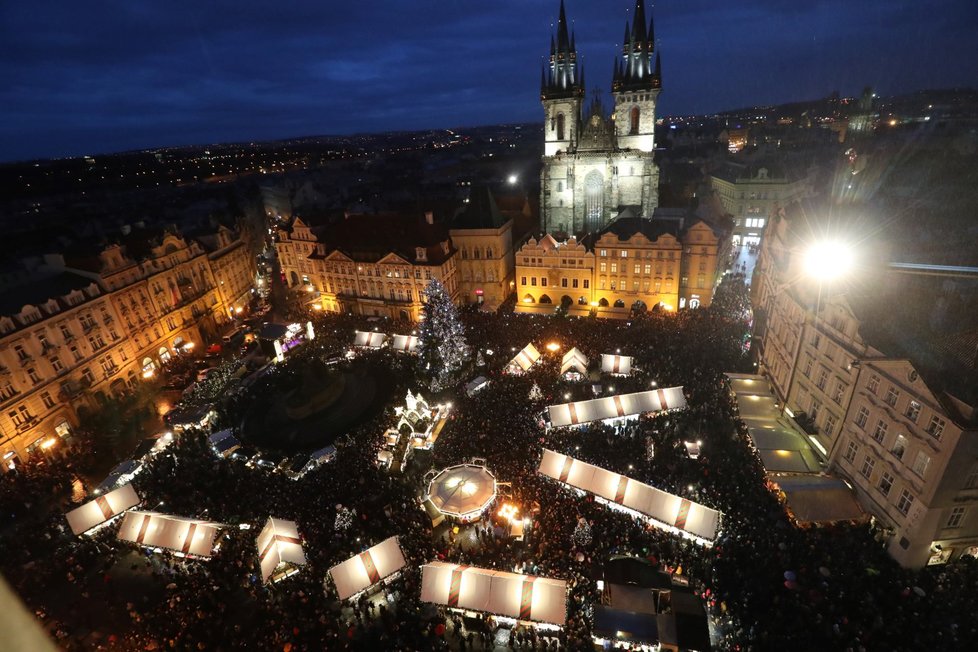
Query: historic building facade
[[484, 240], [376, 265], [594, 165], [95, 324], [631, 265], [892, 410], [752, 196]]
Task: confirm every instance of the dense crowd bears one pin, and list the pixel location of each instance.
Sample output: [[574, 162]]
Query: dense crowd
[[93, 592]]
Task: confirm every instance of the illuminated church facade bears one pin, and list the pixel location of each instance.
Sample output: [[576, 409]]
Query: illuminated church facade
[[596, 165]]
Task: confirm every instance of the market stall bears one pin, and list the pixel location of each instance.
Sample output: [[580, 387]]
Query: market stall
[[622, 406], [668, 512], [102, 510], [370, 567], [369, 339], [574, 363], [405, 343], [618, 365], [520, 597], [523, 360], [280, 551], [184, 536]]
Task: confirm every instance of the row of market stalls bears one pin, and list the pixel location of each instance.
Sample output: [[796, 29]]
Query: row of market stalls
[[666, 511], [276, 339], [610, 409], [573, 364], [793, 460], [375, 340]]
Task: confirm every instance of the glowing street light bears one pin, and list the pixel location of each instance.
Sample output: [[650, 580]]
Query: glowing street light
[[513, 179], [828, 260]]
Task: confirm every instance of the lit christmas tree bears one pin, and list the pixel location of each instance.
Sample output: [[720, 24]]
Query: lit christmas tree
[[442, 337], [535, 393], [582, 533], [344, 518]]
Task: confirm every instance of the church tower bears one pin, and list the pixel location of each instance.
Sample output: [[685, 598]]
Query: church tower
[[596, 167], [636, 81], [561, 90]]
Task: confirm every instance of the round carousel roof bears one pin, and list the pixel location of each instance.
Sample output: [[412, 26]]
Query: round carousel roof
[[463, 490]]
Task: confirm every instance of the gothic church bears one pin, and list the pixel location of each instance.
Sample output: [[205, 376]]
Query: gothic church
[[596, 166]]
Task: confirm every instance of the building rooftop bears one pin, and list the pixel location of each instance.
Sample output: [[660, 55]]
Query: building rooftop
[[41, 290], [481, 212], [368, 238], [626, 227]]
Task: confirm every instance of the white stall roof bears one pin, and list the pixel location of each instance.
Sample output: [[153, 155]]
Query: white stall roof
[[102, 509], [366, 569], [524, 597], [526, 358], [370, 339], [611, 407], [616, 364], [671, 511], [184, 535], [405, 343], [574, 360], [279, 547]]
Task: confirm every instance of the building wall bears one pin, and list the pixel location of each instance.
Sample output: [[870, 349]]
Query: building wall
[[485, 264], [753, 200], [911, 456], [131, 318], [630, 178], [391, 287], [614, 275]]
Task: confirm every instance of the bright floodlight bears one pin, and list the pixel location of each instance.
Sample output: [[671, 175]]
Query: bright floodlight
[[513, 179], [828, 260]]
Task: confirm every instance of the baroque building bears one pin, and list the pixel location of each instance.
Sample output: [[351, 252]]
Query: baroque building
[[631, 265], [881, 371], [595, 165], [95, 321]]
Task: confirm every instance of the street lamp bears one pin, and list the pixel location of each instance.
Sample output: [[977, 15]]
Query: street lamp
[[828, 260]]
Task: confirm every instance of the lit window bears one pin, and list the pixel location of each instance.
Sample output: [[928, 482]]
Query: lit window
[[956, 516], [906, 500]]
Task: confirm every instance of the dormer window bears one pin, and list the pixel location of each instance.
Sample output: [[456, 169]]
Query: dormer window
[[420, 253]]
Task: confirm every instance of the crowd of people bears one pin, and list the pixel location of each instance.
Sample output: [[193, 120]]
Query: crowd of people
[[94, 592]]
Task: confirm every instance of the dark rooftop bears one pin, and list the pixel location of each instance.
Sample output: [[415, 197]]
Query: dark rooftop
[[481, 211], [40, 290]]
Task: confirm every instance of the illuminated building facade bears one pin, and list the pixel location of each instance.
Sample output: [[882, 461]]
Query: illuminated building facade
[[93, 325], [374, 265], [631, 265]]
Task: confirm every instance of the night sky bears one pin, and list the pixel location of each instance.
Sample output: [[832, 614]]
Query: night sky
[[93, 77]]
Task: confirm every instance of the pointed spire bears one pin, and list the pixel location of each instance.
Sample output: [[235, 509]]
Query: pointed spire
[[580, 80], [651, 33], [563, 42], [639, 25], [624, 40], [543, 76], [553, 48], [658, 69], [573, 39]]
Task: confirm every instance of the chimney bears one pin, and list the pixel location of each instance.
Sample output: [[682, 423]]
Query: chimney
[[429, 217]]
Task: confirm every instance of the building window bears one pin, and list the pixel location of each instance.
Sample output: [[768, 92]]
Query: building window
[[563, 282], [920, 463], [587, 283], [891, 396], [906, 500], [533, 281], [840, 389], [604, 252], [873, 384], [48, 401], [624, 253], [574, 282], [879, 432], [823, 377], [523, 280], [885, 484], [614, 268], [32, 374], [956, 516], [972, 480], [603, 267], [867, 469], [936, 427], [829, 427], [816, 406], [851, 451], [913, 411], [899, 447]]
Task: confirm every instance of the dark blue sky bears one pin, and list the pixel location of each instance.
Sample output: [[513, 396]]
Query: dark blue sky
[[92, 77]]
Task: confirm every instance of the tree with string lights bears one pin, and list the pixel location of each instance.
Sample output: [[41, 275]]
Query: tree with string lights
[[442, 337]]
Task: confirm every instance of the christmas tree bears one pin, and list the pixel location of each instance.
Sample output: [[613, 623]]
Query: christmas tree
[[442, 337]]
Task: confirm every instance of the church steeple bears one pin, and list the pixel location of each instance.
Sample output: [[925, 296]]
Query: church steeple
[[564, 79], [637, 72]]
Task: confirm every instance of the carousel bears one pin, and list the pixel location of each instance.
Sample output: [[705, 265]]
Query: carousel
[[463, 492]]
